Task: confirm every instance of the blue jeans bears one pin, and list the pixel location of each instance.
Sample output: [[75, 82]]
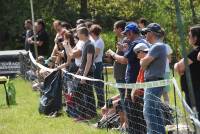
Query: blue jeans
[[152, 111], [99, 86]]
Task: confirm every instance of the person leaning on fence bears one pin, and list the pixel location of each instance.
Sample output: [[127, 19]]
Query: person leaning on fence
[[118, 68], [57, 25], [61, 56], [86, 100], [95, 31], [130, 58], [194, 65], [154, 64], [141, 50], [139, 126], [68, 44]]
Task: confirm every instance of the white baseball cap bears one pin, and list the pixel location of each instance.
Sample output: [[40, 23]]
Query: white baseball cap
[[141, 47]]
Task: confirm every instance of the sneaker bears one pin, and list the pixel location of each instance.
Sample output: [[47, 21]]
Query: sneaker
[[54, 114]]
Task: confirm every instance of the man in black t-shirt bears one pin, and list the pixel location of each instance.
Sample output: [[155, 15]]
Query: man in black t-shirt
[[86, 101], [194, 65], [42, 38]]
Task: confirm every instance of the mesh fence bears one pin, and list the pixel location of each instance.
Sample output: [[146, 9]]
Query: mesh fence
[[135, 108]]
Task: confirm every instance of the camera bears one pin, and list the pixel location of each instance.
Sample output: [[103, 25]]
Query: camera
[[59, 40]]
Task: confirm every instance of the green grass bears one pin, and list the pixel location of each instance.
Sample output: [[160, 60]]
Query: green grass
[[24, 118]]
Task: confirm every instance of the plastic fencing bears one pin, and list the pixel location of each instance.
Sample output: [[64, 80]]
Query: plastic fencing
[[121, 112]]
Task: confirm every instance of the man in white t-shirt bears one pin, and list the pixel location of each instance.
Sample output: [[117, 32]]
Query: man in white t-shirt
[[77, 51], [95, 31], [167, 74], [167, 70]]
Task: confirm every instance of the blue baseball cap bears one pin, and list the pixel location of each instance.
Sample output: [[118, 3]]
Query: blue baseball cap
[[153, 27], [131, 27]]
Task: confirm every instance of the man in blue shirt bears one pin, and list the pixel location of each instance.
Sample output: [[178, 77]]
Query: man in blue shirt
[[132, 33], [130, 58]]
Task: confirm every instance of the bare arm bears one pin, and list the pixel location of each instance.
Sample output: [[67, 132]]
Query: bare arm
[[73, 53], [97, 51], [198, 57], [55, 50], [146, 61], [88, 64], [169, 58], [76, 53], [179, 67], [64, 65], [38, 43], [120, 59]]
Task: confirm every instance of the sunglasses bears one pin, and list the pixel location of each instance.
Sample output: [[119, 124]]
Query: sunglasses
[[141, 51], [138, 52]]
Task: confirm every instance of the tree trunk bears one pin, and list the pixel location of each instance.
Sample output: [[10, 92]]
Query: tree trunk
[[84, 9]]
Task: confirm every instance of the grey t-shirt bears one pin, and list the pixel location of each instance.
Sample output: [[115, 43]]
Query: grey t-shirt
[[156, 69], [88, 48]]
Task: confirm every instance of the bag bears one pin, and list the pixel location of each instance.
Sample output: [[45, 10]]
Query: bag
[[51, 99], [11, 93]]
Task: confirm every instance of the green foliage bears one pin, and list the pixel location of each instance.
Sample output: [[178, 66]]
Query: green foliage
[[11, 93], [109, 40], [105, 12]]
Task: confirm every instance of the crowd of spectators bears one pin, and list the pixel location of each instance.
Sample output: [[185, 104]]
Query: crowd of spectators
[[141, 56]]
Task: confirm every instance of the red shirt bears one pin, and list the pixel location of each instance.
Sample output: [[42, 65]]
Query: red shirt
[[140, 79]]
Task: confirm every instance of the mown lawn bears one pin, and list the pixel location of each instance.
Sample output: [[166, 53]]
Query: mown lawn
[[24, 118]]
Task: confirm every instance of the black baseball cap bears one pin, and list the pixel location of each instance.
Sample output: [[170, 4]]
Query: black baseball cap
[[153, 27]]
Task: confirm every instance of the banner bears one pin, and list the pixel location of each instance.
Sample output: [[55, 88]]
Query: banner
[[9, 62]]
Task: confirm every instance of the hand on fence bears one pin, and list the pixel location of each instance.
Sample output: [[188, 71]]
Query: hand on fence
[[82, 81]]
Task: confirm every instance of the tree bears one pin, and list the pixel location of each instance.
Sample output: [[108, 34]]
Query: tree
[[194, 18], [84, 9]]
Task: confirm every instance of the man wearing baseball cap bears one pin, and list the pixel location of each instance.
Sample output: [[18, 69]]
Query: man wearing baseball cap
[[154, 64], [132, 33]]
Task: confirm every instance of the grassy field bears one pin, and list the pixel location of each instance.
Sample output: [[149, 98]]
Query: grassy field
[[24, 118]]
